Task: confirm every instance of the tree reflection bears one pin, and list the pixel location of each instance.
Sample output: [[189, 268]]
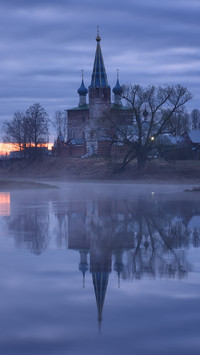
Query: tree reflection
[[136, 238], [161, 237], [144, 236], [31, 230]]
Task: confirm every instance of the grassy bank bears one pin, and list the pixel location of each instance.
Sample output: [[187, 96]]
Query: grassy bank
[[99, 169]]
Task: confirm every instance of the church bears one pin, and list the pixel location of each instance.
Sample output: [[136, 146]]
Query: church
[[83, 120]]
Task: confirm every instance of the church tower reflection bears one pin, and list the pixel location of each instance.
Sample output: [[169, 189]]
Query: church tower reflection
[[100, 267], [95, 231]]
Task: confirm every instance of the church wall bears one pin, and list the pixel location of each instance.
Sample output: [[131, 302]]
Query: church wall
[[61, 151], [69, 150], [77, 121], [77, 150]]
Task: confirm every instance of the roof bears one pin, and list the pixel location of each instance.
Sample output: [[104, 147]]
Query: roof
[[78, 141], [194, 136], [99, 77], [172, 139], [79, 108]]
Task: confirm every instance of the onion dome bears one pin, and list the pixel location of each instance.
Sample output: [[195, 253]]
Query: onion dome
[[117, 90], [82, 90]]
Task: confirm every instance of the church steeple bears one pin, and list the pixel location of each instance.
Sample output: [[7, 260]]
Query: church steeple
[[99, 77], [99, 98]]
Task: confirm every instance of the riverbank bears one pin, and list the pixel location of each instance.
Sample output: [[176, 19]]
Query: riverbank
[[98, 169]]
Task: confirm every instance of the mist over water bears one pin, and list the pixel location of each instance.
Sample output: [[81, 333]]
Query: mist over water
[[100, 268]]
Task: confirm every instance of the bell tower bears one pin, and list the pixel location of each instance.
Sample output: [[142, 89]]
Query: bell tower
[[99, 90], [99, 94]]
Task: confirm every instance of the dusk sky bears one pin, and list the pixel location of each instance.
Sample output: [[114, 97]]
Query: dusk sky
[[46, 43]]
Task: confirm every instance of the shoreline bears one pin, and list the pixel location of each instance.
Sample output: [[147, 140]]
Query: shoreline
[[52, 170]]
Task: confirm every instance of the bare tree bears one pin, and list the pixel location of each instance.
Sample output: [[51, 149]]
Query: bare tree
[[59, 123], [27, 129], [179, 122], [195, 119], [38, 122], [153, 110], [16, 131]]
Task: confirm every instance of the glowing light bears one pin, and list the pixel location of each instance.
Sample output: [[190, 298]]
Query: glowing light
[[6, 148], [4, 203], [152, 138]]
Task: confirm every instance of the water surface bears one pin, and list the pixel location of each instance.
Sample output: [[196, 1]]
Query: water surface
[[92, 269]]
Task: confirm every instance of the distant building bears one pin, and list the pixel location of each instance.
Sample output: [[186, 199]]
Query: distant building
[[83, 119], [193, 139]]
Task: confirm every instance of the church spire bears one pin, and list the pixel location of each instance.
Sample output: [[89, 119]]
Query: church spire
[[99, 77]]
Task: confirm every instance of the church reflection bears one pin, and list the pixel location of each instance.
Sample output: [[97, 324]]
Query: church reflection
[[95, 231], [134, 238]]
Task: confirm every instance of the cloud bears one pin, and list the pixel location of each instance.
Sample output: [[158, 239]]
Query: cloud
[[45, 44]]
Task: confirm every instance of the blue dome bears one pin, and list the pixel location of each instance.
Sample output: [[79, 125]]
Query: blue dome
[[82, 90], [117, 90]]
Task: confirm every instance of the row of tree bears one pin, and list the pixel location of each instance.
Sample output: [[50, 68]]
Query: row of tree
[[28, 129], [155, 112], [31, 129]]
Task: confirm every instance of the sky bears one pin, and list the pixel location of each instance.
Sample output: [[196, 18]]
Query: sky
[[45, 44]]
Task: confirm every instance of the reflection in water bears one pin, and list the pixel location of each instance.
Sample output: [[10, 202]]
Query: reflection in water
[[142, 237], [4, 203], [31, 230]]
